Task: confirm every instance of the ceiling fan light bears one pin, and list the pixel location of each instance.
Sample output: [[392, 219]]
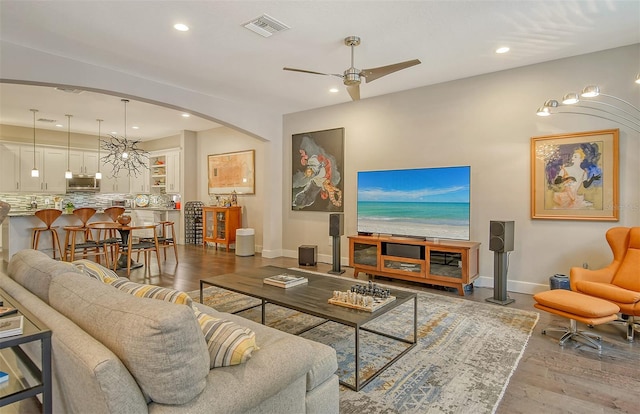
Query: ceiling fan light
[[570, 98], [551, 103], [543, 111], [590, 91]]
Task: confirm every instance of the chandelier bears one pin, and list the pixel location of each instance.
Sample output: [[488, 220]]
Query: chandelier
[[595, 104], [124, 154]]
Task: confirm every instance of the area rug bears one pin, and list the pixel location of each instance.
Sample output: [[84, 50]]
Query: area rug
[[465, 356]]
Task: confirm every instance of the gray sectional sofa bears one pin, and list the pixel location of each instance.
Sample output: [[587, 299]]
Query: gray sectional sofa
[[116, 353]]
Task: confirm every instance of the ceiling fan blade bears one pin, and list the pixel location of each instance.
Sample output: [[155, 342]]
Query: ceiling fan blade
[[312, 72], [372, 74], [354, 92]]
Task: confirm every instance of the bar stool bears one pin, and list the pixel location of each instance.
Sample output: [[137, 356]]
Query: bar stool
[[165, 242], [72, 233], [47, 216]]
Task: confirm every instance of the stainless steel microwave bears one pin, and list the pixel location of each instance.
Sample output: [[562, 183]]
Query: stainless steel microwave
[[83, 183]]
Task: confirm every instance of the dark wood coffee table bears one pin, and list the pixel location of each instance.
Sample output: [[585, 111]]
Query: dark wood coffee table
[[311, 298]]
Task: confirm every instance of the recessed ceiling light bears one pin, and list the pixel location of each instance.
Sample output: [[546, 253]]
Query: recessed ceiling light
[[135, 127], [114, 132], [181, 27], [334, 90], [503, 49], [186, 115], [59, 125]]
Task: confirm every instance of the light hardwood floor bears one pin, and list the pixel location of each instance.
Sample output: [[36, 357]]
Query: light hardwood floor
[[549, 378]]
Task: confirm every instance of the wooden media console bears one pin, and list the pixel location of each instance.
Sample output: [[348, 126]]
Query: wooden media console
[[450, 263]]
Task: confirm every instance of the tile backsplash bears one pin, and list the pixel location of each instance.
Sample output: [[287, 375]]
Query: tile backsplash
[[79, 199]]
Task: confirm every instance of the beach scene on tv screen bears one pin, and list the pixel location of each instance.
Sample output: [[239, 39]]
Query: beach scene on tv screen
[[424, 202]]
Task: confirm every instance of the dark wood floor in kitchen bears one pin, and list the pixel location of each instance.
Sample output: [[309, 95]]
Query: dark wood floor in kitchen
[[549, 378]]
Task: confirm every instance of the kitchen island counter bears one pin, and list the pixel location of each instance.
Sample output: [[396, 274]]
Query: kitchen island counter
[[17, 229]]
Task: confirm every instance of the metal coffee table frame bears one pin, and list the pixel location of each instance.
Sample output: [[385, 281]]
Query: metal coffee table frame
[[311, 299]]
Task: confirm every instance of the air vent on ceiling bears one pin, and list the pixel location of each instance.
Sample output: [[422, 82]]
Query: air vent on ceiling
[[70, 90], [46, 120], [265, 25]]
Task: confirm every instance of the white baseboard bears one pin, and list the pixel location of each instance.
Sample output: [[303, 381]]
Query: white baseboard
[[515, 286]]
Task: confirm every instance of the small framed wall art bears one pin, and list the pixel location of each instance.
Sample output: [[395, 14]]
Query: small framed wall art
[[575, 176], [232, 172]]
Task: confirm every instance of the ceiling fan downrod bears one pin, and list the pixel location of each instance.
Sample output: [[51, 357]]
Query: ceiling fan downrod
[[352, 75]]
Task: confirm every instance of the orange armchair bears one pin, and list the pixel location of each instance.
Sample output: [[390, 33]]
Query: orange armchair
[[619, 282]]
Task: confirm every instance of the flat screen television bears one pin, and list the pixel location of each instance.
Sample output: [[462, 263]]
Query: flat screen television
[[421, 202]]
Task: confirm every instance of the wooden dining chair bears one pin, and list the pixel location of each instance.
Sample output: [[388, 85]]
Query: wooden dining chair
[[48, 216], [144, 245], [109, 236], [166, 239]]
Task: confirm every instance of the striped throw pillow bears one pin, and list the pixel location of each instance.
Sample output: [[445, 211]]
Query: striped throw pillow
[[150, 291], [228, 343], [96, 271]]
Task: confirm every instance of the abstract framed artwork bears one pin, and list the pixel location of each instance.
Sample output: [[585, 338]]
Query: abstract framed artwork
[[317, 170], [575, 176], [232, 171]]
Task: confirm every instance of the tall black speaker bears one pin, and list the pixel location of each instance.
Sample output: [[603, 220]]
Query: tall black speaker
[[336, 229], [336, 224], [500, 242], [501, 236]]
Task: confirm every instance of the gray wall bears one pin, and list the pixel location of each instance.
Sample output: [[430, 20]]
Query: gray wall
[[486, 122]]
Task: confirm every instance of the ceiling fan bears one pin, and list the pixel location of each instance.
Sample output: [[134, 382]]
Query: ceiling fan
[[352, 76]]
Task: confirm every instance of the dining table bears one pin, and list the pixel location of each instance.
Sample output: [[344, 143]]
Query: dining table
[[124, 230]]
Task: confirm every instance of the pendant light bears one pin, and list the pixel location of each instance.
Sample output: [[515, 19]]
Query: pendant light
[[99, 174], [68, 173], [125, 152], [34, 173]]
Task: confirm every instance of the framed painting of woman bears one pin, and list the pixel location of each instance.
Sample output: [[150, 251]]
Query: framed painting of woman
[[575, 176]]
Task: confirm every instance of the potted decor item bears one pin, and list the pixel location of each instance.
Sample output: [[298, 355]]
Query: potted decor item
[[69, 207], [124, 219]]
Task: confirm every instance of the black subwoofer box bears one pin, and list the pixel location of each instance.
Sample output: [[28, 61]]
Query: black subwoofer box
[[307, 255]]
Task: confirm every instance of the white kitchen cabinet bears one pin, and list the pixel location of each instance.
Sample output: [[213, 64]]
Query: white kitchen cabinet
[[83, 162], [118, 184], [27, 182], [110, 184], [173, 172], [141, 183], [10, 167], [54, 166]]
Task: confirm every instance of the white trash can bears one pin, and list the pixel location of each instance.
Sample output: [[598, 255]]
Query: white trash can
[[245, 242]]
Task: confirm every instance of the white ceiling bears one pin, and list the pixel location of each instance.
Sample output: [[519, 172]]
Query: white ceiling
[[219, 57]]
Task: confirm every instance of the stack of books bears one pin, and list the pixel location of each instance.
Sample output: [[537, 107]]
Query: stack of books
[[10, 326], [285, 280]]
